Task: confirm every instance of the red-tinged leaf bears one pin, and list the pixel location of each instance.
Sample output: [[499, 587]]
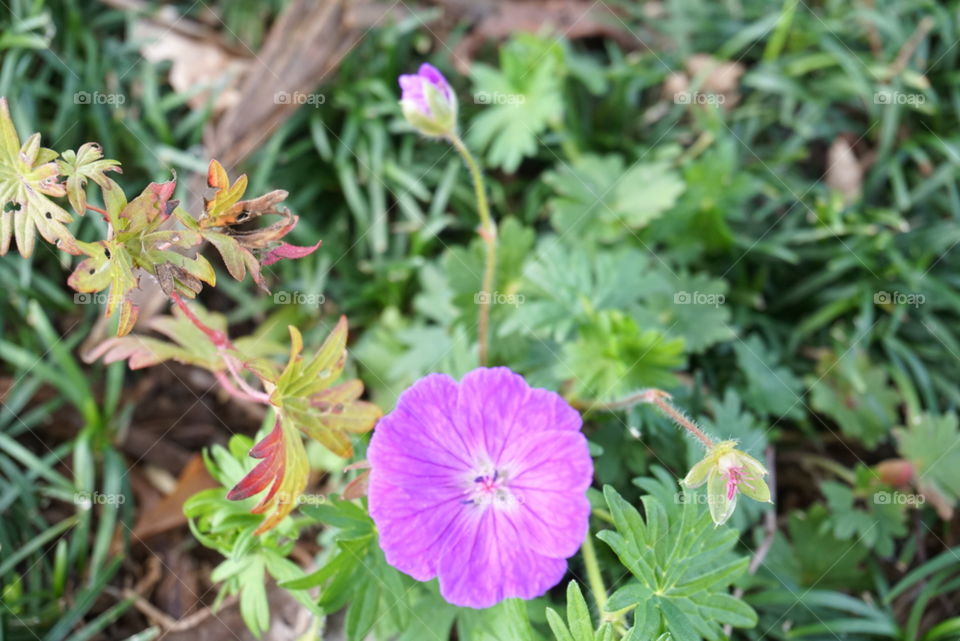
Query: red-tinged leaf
[[357, 488], [224, 198], [191, 340], [139, 242], [359, 465], [286, 250], [281, 473], [153, 205], [128, 317], [339, 408]]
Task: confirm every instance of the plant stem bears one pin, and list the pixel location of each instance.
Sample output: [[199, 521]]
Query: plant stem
[[594, 578], [488, 232], [224, 346], [654, 397], [660, 401]]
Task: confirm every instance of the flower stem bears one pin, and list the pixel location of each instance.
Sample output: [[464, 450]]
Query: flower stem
[[654, 397], [660, 400], [594, 578], [488, 232]]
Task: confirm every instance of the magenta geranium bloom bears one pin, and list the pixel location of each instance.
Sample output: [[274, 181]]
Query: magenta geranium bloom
[[481, 484]]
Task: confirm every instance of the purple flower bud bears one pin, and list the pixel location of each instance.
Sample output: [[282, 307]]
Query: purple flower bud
[[428, 101]]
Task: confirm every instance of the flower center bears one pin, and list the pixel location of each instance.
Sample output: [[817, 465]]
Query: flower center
[[489, 487], [734, 477]]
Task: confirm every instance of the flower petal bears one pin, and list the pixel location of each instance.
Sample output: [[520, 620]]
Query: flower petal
[[432, 75], [419, 438], [485, 561], [500, 405], [698, 473], [413, 524], [553, 471], [721, 507]]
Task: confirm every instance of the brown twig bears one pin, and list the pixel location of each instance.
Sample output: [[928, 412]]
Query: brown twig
[[909, 47]]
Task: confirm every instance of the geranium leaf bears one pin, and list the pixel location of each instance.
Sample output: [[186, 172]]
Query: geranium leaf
[[28, 177], [675, 553], [225, 212], [87, 163], [141, 243], [304, 394], [285, 250], [282, 472]]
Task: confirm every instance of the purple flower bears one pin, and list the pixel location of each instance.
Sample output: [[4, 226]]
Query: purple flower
[[481, 484], [428, 101]]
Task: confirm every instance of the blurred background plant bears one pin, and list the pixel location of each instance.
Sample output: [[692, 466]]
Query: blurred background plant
[[752, 205]]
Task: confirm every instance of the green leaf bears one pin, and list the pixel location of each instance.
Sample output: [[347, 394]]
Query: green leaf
[[797, 561], [362, 612], [613, 356], [690, 306], [254, 607], [506, 620], [579, 625], [855, 394], [563, 283], [519, 101], [854, 513], [771, 388], [683, 567], [929, 444], [87, 163], [28, 178], [599, 198]]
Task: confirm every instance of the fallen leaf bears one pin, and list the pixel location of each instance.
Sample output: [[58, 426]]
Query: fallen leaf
[[167, 513]]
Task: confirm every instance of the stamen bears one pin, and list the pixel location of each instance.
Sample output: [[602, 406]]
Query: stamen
[[735, 475]]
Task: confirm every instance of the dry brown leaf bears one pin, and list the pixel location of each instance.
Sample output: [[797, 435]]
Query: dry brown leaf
[[844, 170], [196, 63], [167, 513]]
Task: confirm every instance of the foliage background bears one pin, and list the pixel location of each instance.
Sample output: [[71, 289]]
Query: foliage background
[[777, 251]]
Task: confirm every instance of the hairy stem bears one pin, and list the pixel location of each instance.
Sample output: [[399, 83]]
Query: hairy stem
[[488, 232], [655, 397], [660, 400]]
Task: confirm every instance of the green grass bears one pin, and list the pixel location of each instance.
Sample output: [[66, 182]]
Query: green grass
[[754, 218]]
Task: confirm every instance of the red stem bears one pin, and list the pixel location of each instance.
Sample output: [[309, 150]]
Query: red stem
[[224, 346]]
